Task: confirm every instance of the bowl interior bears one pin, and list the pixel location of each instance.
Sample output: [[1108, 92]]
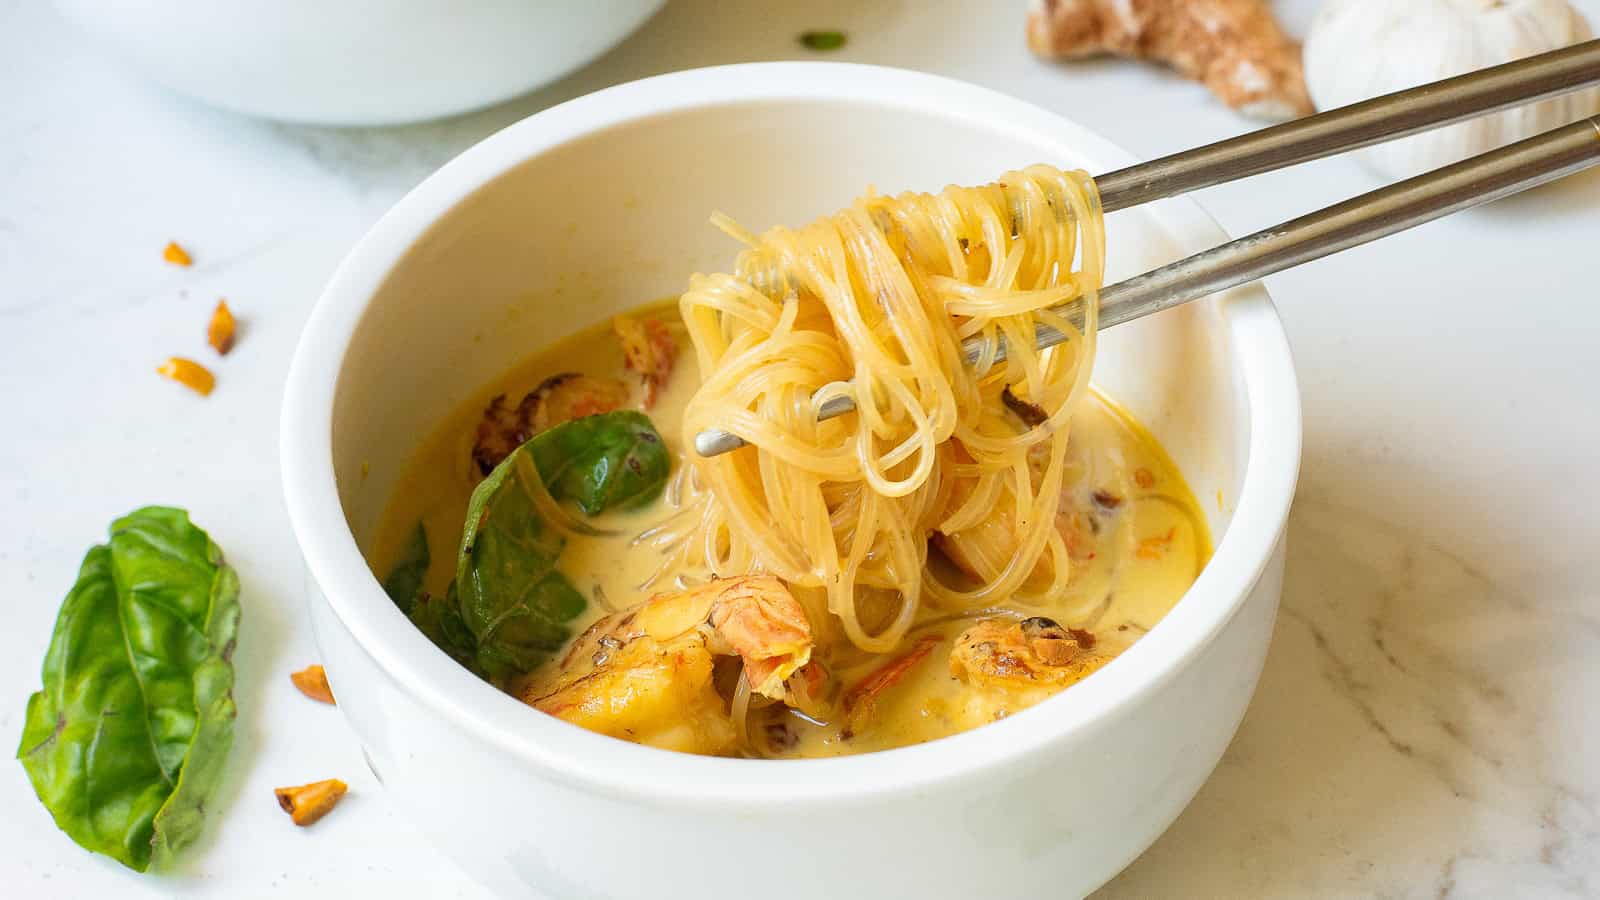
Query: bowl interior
[[602, 222]]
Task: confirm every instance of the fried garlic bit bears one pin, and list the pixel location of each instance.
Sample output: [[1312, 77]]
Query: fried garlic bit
[[176, 255], [309, 802], [189, 373], [1234, 47], [221, 329], [313, 682]]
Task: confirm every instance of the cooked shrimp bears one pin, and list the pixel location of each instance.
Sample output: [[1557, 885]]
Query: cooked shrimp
[[568, 396], [557, 399], [1009, 666], [647, 675], [982, 550], [647, 348]]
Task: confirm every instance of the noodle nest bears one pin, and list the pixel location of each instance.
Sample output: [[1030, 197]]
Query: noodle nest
[[872, 304]]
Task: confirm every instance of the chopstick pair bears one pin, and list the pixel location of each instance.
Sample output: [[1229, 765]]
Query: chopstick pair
[[1406, 204]]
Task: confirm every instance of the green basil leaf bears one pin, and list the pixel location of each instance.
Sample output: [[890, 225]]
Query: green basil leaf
[[132, 729], [404, 582], [609, 461], [511, 597], [513, 602], [439, 618]]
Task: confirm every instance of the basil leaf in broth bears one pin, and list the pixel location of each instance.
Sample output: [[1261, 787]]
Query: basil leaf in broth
[[439, 619], [613, 460], [528, 637], [132, 729], [404, 582], [511, 597], [514, 603]]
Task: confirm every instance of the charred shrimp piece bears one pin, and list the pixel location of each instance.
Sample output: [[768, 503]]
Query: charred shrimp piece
[[1008, 665], [559, 398], [501, 430], [647, 348], [647, 675]]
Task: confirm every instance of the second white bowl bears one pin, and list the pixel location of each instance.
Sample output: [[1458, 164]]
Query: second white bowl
[[357, 62]]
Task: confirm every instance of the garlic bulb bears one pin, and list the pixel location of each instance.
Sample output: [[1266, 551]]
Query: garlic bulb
[[1359, 49]]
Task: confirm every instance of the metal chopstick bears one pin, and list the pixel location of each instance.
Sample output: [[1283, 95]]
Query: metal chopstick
[[1383, 212], [1407, 204], [1355, 126]]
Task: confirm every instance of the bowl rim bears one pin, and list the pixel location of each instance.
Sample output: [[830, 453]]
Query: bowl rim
[[556, 750]]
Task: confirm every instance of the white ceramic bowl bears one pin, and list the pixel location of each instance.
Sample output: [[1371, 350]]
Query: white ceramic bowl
[[601, 203], [357, 62]]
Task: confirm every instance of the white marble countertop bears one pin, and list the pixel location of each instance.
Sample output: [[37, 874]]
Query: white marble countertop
[[1425, 725]]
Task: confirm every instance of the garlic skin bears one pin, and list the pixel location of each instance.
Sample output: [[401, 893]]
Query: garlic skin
[[1358, 49]]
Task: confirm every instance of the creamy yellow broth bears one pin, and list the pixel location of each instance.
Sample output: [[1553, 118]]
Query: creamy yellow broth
[[1139, 542]]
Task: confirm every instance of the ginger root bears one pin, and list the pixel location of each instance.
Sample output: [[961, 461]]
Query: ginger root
[[1234, 47]]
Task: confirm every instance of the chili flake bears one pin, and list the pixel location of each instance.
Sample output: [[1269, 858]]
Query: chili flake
[[1154, 547]]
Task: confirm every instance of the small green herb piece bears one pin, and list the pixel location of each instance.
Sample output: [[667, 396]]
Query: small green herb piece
[[822, 41], [131, 731], [404, 583]]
